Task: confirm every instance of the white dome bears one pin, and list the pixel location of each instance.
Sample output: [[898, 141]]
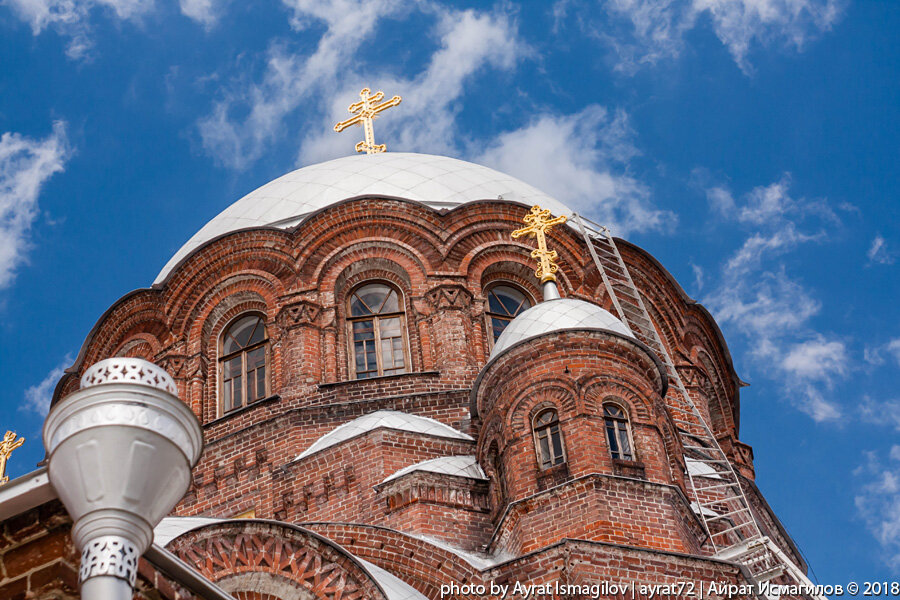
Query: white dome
[[436, 181], [556, 315]]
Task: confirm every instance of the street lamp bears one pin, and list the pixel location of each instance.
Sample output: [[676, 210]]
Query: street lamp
[[120, 454]]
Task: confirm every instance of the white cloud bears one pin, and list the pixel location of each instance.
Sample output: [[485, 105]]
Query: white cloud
[[879, 253], [25, 165], [469, 41], [740, 23], [771, 309], [205, 12], [71, 17], [878, 502], [38, 397], [894, 348], [574, 157], [816, 359], [881, 413], [648, 31]]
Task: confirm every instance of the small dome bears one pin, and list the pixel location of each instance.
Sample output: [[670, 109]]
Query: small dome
[[436, 181], [557, 315]]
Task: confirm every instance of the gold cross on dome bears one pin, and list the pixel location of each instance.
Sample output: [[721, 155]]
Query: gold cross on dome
[[539, 223], [366, 110], [7, 446]]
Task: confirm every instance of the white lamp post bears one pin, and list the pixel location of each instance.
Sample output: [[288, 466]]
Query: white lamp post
[[120, 454]]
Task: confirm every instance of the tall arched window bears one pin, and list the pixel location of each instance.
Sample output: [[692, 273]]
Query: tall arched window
[[618, 432], [548, 439], [504, 304], [243, 363], [377, 332]]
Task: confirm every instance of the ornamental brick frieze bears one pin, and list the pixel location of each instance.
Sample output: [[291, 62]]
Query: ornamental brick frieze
[[434, 488], [449, 296], [693, 377], [304, 313], [221, 551]]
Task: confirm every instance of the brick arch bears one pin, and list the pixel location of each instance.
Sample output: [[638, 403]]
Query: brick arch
[[342, 224], [598, 389], [141, 345], [207, 342], [373, 270], [551, 393], [266, 557], [195, 321]]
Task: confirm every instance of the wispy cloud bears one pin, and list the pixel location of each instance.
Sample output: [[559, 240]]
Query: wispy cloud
[[25, 165], [326, 81], [879, 252], [470, 43], [643, 32], [38, 397], [773, 310], [580, 157], [878, 502], [71, 18], [886, 412]]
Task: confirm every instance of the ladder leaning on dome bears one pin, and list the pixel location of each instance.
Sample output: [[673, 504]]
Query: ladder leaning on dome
[[718, 496]]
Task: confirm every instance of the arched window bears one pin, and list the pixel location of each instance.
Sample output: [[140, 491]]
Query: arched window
[[618, 432], [377, 332], [504, 304], [243, 363], [548, 439]]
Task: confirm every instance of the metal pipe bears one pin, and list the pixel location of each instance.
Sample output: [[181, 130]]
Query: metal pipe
[[183, 574], [106, 588]]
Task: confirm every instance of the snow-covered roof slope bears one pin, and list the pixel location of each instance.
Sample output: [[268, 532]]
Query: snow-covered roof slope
[[389, 419]]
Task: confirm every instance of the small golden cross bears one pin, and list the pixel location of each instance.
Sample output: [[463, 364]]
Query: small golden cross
[[366, 110], [8, 444], [539, 223]]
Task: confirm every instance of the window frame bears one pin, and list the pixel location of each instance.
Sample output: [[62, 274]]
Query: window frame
[[555, 459], [488, 315], [223, 358], [375, 318], [621, 425]]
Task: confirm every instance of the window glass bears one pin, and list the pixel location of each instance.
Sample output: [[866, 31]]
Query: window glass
[[243, 362], [504, 304], [548, 439], [377, 331]]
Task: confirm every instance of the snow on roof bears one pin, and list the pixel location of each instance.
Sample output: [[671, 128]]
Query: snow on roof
[[394, 587], [700, 469], [172, 527], [389, 419], [461, 466]]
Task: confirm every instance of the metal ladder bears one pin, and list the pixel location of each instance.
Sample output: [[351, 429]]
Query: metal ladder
[[719, 500]]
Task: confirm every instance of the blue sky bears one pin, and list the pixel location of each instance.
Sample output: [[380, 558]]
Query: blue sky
[[750, 145]]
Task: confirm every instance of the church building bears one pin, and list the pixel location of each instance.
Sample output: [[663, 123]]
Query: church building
[[395, 405]]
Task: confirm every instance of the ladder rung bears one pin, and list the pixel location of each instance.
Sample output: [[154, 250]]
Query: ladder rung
[[729, 530], [721, 485], [728, 515]]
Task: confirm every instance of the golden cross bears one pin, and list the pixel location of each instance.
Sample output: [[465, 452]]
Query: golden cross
[[539, 223], [8, 444], [366, 110]]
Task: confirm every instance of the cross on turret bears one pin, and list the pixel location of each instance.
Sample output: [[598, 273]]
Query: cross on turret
[[7, 445], [366, 110], [539, 223]]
